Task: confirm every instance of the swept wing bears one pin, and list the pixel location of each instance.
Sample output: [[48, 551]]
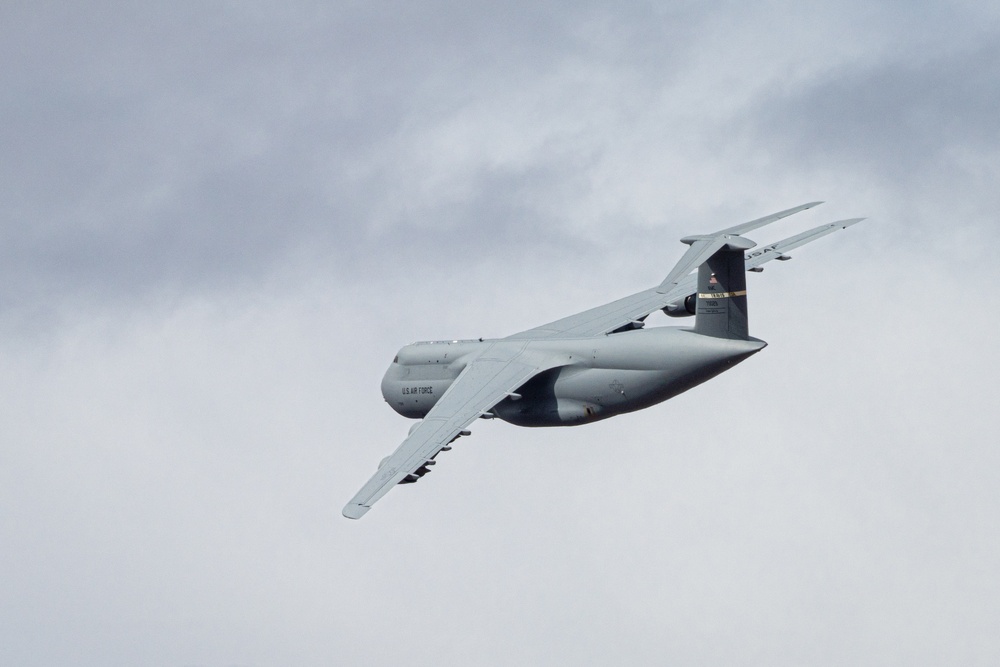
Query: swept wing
[[483, 383], [679, 283], [704, 246], [759, 256], [506, 364]]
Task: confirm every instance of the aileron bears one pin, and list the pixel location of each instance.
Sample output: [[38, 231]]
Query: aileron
[[595, 364], [484, 382]]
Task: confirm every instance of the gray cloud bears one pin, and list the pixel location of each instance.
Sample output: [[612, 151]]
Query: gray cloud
[[221, 221], [200, 145], [904, 121]]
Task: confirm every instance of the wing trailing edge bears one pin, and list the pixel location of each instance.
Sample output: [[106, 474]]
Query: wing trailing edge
[[485, 381], [633, 308], [704, 246]]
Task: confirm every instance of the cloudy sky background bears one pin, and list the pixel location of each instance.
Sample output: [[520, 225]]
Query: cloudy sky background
[[220, 221]]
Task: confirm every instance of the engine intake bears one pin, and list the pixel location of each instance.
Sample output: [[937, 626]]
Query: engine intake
[[684, 308]]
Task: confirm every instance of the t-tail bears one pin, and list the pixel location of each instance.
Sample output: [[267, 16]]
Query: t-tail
[[721, 309]]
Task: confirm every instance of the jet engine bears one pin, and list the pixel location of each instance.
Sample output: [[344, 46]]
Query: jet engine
[[685, 308], [554, 412]]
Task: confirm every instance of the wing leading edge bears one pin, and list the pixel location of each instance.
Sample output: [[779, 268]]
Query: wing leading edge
[[483, 383], [704, 245], [635, 307], [508, 363]]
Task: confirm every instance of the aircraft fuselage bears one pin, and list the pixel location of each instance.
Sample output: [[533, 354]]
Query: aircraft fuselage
[[603, 376]]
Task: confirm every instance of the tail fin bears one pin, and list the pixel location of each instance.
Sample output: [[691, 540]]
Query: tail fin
[[722, 295]]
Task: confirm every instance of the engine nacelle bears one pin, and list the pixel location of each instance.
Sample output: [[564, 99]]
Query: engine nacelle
[[553, 412], [684, 308]]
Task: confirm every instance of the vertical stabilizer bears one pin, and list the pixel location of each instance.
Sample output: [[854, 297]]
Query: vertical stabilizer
[[722, 295]]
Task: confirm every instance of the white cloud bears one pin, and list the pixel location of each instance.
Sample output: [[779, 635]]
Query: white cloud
[[223, 223]]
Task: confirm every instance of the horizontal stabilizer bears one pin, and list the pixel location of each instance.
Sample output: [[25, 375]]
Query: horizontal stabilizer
[[704, 246]]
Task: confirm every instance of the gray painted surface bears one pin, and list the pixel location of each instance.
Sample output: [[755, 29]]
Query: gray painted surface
[[582, 368], [220, 221]]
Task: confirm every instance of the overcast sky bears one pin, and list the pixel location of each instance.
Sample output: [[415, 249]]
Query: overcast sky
[[220, 221]]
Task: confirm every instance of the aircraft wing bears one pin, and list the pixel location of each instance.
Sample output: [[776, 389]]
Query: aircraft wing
[[631, 310], [759, 256], [704, 246], [484, 382]]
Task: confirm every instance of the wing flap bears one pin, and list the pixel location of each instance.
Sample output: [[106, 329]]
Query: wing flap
[[485, 382], [765, 254], [704, 246], [611, 316], [607, 318], [766, 220]]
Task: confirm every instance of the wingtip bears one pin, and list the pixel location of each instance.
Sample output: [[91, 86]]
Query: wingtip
[[844, 224], [355, 510]]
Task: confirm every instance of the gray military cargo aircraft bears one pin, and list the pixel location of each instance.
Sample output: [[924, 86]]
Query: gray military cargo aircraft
[[585, 367]]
